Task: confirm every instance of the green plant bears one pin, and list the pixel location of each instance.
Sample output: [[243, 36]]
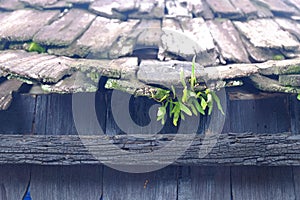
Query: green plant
[[189, 102], [278, 57], [35, 47]]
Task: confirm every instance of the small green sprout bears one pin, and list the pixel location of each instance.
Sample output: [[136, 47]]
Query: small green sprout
[[35, 47], [278, 57], [189, 103]]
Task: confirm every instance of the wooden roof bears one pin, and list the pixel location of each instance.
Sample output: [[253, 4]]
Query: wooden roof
[[138, 44]]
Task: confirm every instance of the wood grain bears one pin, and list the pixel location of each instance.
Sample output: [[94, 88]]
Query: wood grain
[[231, 149]]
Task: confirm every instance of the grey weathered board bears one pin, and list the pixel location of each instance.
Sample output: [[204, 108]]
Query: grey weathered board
[[19, 117], [229, 41], [24, 30], [230, 149], [94, 182], [223, 8], [6, 90], [14, 180], [295, 115], [296, 171], [209, 183], [54, 113], [261, 183], [159, 185], [66, 182], [269, 115], [138, 108], [65, 30]]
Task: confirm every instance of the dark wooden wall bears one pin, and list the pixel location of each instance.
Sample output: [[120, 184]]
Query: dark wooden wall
[[171, 183], [52, 115]]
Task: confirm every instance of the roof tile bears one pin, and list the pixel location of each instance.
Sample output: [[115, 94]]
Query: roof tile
[[22, 25], [64, 31]]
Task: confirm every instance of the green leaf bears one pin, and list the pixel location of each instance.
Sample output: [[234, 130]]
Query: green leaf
[[298, 97], [199, 94], [217, 100], [161, 95], [175, 118], [182, 116], [161, 114], [185, 109], [193, 76], [176, 107], [171, 108], [174, 91], [203, 103], [161, 111], [184, 95], [209, 103], [198, 106], [35, 47], [182, 79], [194, 110]]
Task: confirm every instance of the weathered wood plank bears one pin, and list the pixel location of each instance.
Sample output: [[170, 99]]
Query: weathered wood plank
[[231, 149], [160, 184], [51, 69], [296, 171], [11, 5], [149, 9], [270, 85], [102, 34], [229, 42], [14, 180], [262, 183], [6, 90], [272, 67], [199, 8], [40, 67], [66, 29], [295, 115], [54, 113], [275, 120], [22, 25], [201, 42], [39, 3], [150, 34], [177, 8], [245, 6], [289, 25], [295, 3], [262, 10], [66, 182], [266, 33], [18, 118], [290, 80], [181, 38], [113, 9], [230, 71], [78, 82], [204, 183], [277, 6], [223, 8], [167, 73], [130, 115]]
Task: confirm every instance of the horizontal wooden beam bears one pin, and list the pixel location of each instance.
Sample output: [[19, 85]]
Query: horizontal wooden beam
[[231, 149]]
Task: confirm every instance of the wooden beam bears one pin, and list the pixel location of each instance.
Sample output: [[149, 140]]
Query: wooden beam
[[231, 149]]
